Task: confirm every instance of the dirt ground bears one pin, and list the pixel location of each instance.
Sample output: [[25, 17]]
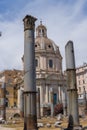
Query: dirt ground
[[19, 124]]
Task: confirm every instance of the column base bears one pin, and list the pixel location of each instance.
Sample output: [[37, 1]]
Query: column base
[[77, 127], [74, 128], [30, 123]]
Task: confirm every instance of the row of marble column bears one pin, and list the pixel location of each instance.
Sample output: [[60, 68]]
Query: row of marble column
[[45, 96]]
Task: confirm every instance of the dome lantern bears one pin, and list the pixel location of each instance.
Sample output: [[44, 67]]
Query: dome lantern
[[41, 30]]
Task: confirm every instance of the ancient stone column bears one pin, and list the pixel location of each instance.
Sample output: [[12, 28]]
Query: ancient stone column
[[30, 116], [47, 95], [52, 103], [2, 102], [21, 101], [71, 84], [64, 101], [38, 104], [41, 100], [60, 94]]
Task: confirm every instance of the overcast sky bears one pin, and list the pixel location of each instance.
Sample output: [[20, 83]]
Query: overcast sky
[[65, 20]]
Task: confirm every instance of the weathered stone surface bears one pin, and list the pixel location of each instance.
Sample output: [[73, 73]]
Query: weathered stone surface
[[48, 125], [77, 128], [40, 125], [59, 117], [29, 22], [57, 124], [85, 128]]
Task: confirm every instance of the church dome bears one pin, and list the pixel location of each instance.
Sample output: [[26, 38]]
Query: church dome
[[42, 42]]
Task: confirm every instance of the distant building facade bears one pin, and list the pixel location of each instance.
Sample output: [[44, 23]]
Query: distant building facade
[[81, 77], [10, 78]]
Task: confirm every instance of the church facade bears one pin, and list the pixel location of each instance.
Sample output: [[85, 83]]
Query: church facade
[[49, 74]]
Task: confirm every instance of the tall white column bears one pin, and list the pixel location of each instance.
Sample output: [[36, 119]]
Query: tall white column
[[47, 94], [64, 102], [21, 101], [60, 94]]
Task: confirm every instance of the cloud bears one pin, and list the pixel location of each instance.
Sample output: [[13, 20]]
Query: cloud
[[64, 21], [11, 45]]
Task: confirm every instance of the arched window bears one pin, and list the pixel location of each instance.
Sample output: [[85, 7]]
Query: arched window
[[50, 63], [43, 32]]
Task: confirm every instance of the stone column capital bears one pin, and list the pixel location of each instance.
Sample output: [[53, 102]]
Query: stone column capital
[[29, 22]]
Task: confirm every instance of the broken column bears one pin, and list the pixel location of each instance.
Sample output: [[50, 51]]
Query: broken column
[[30, 116], [71, 84], [3, 99]]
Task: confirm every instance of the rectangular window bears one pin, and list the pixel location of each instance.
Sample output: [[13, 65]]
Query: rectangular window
[[50, 63], [36, 62], [54, 98]]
